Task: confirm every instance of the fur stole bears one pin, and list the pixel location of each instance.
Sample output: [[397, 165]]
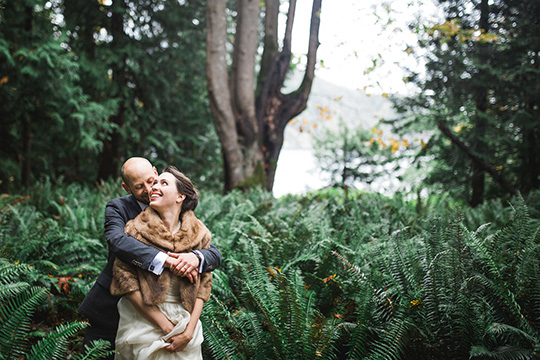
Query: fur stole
[[148, 228]]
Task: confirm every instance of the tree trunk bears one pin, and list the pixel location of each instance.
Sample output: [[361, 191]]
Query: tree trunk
[[478, 173], [533, 161], [110, 156], [26, 166], [251, 128]]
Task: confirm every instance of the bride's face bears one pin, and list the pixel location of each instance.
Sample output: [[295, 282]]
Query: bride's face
[[164, 192]]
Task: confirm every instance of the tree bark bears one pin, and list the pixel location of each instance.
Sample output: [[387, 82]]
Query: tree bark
[[26, 168], [531, 141], [219, 93], [110, 156], [250, 128], [478, 174]]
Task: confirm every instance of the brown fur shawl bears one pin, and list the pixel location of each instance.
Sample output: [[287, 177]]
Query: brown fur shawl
[[149, 228]]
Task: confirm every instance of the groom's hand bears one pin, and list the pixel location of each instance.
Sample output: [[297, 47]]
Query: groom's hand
[[184, 264]]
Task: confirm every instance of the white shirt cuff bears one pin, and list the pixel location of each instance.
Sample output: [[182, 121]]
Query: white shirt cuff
[[156, 266], [202, 260]]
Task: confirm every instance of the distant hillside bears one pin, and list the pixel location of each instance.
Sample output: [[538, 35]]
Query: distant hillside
[[355, 107], [297, 170]]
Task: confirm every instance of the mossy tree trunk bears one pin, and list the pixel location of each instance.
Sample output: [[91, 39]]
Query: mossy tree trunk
[[250, 111]]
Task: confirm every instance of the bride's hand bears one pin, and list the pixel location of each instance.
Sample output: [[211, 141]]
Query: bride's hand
[[179, 342]]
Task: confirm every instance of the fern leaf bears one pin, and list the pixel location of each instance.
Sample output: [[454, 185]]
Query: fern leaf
[[15, 316], [53, 346], [98, 349]]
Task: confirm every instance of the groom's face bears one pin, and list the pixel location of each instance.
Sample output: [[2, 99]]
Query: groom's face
[[141, 182]]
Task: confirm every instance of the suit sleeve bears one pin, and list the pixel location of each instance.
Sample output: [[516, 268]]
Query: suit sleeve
[[125, 247], [212, 258], [205, 287]]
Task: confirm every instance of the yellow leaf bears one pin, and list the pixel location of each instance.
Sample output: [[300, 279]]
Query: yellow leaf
[[141, 104], [304, 121], [395, 146], [423, 143], [405, 143], [458, 128], [338, 98], [4, 80], [384, 95]]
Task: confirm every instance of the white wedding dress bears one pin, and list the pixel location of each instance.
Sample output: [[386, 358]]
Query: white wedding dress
[[139, 339]]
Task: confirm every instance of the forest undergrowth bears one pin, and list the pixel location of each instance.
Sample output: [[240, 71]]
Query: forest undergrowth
[[325, 275]]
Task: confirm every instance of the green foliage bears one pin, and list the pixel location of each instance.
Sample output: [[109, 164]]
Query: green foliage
[[331, 275], [59, 231], [481, 69], [84, 83], [349, 156], [19, 301]]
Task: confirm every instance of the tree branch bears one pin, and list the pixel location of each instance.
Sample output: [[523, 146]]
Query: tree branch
[[298, 99], [243, 67], [270, 48], [477, 160]]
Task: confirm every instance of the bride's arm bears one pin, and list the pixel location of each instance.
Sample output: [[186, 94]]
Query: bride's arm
[[150, 312], [180, 341]]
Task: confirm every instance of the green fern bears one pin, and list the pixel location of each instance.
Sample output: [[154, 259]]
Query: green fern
[[53, 346], [19, 301]]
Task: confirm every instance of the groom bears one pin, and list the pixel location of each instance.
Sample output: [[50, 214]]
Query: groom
[[99, 306]]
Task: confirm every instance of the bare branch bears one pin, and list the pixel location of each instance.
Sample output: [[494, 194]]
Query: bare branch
[[477, 160], [270, 42], [298, 99]]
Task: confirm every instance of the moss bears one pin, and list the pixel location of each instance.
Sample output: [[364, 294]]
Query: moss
[[257, 178]]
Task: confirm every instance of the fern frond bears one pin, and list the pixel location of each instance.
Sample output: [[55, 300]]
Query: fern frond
[[502, 353], [393, 342], [291, 317], [98, 349], [54, 345], [15, 316], [221, 334], [510, 333]]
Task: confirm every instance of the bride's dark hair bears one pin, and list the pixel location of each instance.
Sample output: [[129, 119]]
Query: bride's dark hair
[[184, 186]]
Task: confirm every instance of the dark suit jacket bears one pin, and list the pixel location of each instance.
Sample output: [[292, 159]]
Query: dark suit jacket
[[99, 306]]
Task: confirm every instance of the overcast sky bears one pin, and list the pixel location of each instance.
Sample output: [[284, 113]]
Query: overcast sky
[[353, 34]]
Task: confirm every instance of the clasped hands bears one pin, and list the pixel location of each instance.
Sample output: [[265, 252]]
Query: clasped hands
[[177, 342], [184, 264]]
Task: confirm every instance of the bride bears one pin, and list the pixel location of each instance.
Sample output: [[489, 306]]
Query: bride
[[159, 315]]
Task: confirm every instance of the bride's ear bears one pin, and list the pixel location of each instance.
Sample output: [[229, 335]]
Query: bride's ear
[[180, 198]]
